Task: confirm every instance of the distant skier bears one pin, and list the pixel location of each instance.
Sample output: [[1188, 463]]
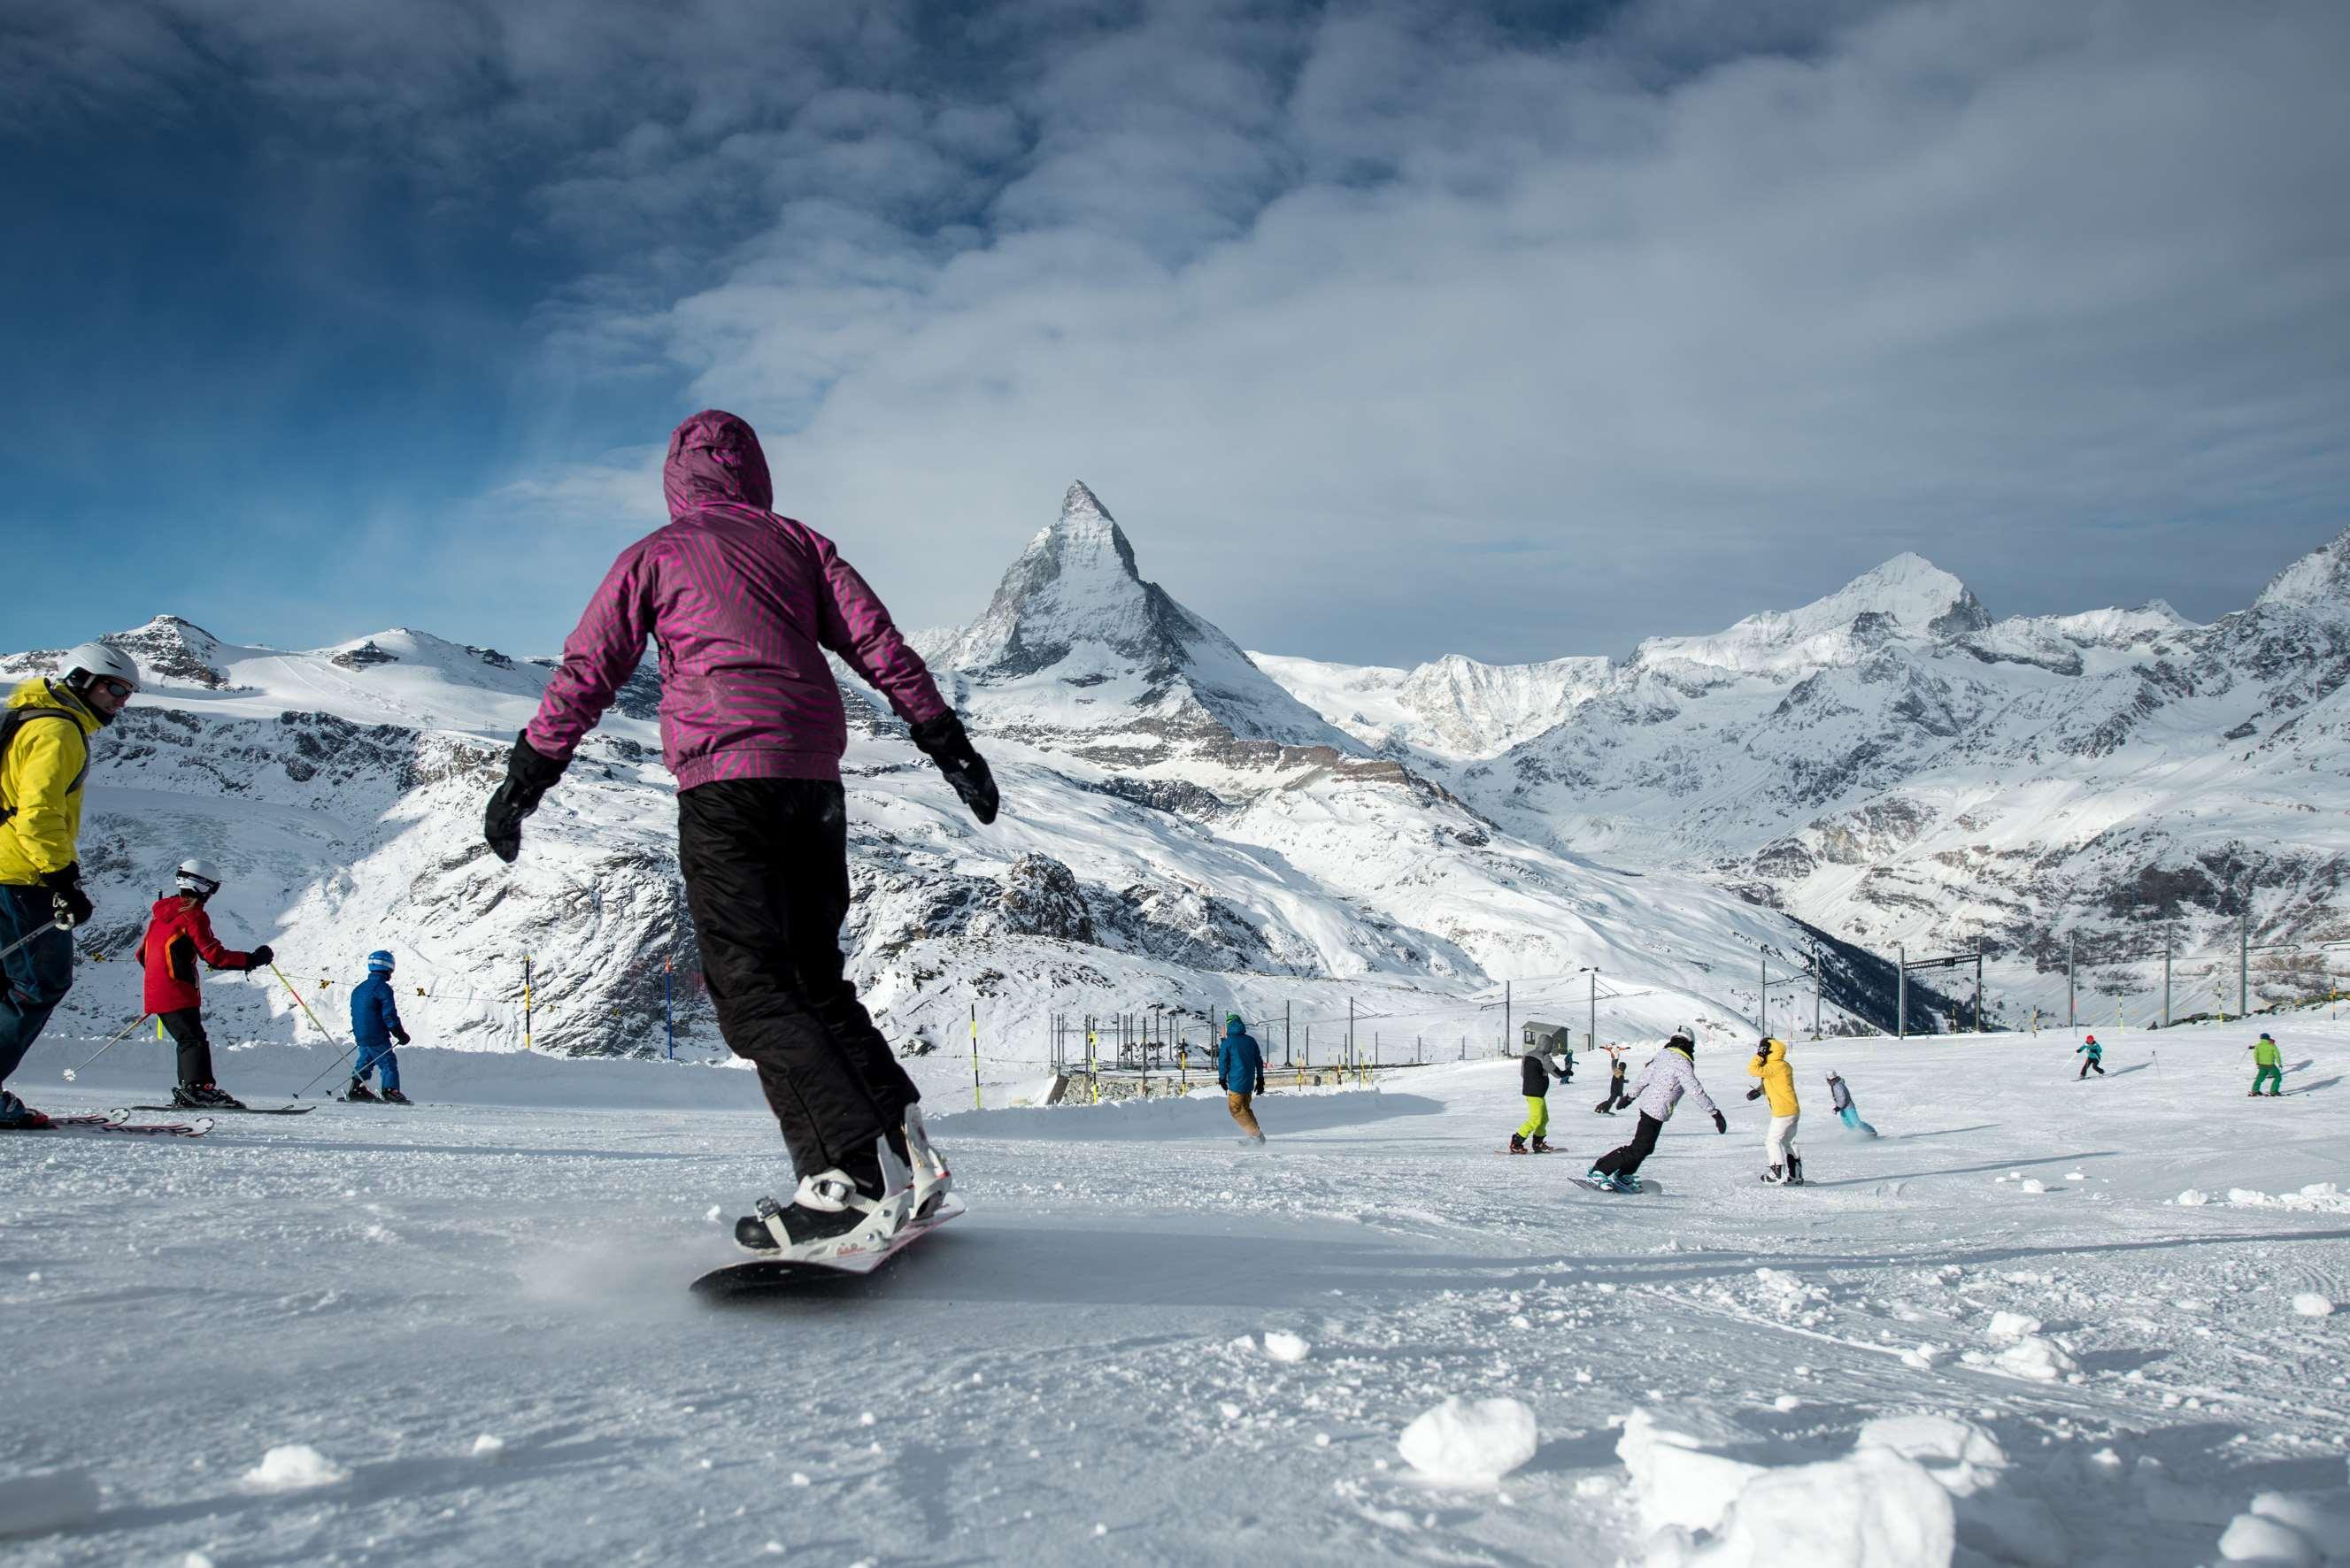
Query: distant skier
[[1670, 1074], [1778, 1081], [1617, 1098], [1847, 1112], [744, 604], [375, 1024], [1535, 1072], [179, 935], [2268, 1065], [45, 734], [2093, 1056], [1240, 1073]]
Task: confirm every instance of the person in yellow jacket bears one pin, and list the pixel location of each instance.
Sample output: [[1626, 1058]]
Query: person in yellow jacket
[[1770, 1064], [45, 733]]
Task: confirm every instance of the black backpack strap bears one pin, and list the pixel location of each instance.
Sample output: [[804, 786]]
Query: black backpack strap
[[15, 718]]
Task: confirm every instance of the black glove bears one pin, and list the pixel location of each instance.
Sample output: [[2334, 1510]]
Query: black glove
[[1754, 1094], [943, 740], [528, 778], [65, 896], [1720, 1126], [262, 957], [400, 1035]]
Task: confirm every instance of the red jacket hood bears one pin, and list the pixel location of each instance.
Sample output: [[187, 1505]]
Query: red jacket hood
[[714, 458]]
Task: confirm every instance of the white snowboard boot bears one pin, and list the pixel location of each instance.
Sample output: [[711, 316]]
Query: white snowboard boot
[[829, 1216]]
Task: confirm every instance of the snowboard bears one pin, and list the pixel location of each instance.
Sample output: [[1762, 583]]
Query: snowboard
[[779, 1276], [237, 1110], [1604, 1187], [118, 1121]]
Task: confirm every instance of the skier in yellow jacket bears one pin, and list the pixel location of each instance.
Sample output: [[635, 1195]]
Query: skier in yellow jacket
[[1770, 1064], [45, 733]]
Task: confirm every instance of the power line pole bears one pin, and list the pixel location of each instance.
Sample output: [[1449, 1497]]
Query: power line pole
[[2072, 958], [2165, 974], [1766, 987], [2244, 959], [1901, 993], [1591, 1040], [1978, 1023], [1505, 1018], [1816, 991]]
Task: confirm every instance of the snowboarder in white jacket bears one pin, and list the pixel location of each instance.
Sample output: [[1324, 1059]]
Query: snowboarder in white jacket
[[1670, 1074]]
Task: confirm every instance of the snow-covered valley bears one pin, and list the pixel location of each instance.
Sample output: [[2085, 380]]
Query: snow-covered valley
[[1992, 1335]]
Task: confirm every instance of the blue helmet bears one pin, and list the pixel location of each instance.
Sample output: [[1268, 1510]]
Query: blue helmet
[[379, 962]]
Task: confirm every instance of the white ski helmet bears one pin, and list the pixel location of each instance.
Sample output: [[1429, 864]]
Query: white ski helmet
[[199, 879], [99, 660]]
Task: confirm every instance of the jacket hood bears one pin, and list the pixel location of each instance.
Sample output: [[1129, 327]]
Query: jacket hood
[[1234, 1026], [714, 459], [1778, 1053], [39, 692]]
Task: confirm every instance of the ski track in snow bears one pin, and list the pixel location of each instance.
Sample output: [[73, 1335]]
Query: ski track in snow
[[1079, 1369]]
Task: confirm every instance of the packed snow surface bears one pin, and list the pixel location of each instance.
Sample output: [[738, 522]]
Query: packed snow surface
[[462, 1333]]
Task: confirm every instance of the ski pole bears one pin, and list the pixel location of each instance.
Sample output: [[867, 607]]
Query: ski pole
[[60, 924], [108, 1046], [300, 1002], [330, 1066], [314, 1020]]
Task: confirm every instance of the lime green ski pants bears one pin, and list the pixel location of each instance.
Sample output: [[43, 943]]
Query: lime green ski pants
[[1537, 1123]]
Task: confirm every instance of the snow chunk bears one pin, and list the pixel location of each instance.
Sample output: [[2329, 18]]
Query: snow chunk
[[2309, 1303], [1286, 1347], [295, 1467], [1677, 1483], [2032, 1184], [1463, 1443], [45, 1501], [2033, 1356], [2250, 1538], [2011, 1326], [2193, 1198], [486, 1447], [2322, 1519]]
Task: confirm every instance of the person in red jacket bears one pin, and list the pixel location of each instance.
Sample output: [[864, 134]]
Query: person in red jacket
[[178, 934]]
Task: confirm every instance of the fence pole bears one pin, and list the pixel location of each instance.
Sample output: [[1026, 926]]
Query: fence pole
[[525, 1002], [977, 1104], [2165, 975], [1901, 993], [2244, 959]]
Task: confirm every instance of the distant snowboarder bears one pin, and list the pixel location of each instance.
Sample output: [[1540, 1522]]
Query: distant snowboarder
[[375, 1024], [1778, 1081], [179, 935], [1670, 1074], [2093, 1056], [1617, 1098], [1240, 1073], [1535, 1072], [744, 604], [1847, 1112], [45, 734], [2268, 1064]]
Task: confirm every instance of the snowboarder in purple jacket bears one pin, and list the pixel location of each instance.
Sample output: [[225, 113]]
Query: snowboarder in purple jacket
[[744, 602]]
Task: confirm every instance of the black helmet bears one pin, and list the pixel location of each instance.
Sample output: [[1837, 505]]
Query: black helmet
[[1682, 1041]]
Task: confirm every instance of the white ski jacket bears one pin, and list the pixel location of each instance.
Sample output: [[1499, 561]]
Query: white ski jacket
[[1661, 1083]]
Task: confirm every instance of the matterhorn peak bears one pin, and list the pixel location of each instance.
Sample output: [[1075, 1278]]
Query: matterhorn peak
[[1079, 503]]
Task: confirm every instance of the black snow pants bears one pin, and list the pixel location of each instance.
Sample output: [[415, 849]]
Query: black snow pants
[[766, 877], [1626, 1161], [2087, 1062], [187, 1027]]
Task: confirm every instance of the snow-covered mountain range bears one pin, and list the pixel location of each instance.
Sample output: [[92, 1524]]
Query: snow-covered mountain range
[[1193, 828], [1893, 764]]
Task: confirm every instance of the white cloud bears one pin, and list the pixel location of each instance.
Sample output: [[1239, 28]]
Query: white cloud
[[1388, 334]]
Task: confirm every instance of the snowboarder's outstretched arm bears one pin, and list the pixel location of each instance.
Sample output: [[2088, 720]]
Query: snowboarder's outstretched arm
[[602, 651]]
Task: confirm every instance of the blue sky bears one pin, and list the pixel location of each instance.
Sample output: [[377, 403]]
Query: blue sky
[[1387, 330]]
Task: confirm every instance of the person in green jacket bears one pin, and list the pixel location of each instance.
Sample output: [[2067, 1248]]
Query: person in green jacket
[[2270, 1064]]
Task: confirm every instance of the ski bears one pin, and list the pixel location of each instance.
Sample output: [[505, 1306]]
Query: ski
[[773, 1276], [118, 1121], [238, 1110]]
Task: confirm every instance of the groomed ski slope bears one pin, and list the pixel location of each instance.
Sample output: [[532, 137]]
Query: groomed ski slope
[[462, 1334]]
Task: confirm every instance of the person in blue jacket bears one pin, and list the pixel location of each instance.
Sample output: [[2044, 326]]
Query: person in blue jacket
[[2093, 1056], [1240, 1073], [375, 1024]]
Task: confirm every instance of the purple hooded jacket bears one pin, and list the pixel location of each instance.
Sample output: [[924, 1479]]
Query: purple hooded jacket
[[742, 603]]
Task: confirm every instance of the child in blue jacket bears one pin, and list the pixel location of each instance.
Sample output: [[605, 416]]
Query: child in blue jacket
[[2094, 1055], [375, 1024]]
